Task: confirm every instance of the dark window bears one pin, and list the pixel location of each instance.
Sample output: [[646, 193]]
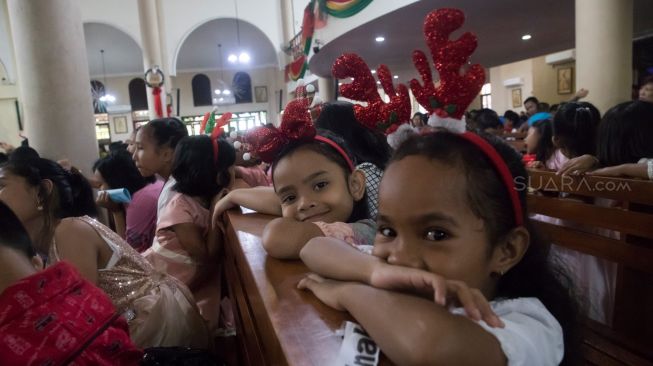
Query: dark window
[[137, 94], [242, 87], [97, 90], [201, 90]]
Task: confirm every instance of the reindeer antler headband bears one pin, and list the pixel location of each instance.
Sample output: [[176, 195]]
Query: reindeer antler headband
[[214, 128]]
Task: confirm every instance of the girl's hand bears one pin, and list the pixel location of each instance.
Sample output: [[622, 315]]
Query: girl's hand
[[103, 200], [445, 292], [328, 291], [611, 171], [220, 206], [579, 165]]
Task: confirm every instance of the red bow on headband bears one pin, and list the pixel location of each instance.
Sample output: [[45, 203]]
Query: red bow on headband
[[295, 126]]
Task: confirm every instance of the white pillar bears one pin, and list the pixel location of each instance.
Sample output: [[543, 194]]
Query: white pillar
[[148, 17], [326, 87], [604, 50], [55, 88]]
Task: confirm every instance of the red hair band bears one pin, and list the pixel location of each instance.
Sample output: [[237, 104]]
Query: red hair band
[[338, 149], [500, 167]]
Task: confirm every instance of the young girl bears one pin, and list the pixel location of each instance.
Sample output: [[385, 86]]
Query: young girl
[[457, 232], [135, 221], [50, 203], [186, 244], [539, 142], [155, 148], [68, 319], [370, 148], [317, 190], [574, 132]]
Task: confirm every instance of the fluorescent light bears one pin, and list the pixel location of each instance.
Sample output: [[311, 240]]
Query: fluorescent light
[[379, 39], [232, 58], [526, 37], [244, 57]]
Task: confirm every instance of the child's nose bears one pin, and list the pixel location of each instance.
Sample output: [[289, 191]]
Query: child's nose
[[405, 255], [306, 203]]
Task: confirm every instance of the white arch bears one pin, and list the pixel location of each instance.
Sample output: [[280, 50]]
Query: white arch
[[134, 37], [173, 63]]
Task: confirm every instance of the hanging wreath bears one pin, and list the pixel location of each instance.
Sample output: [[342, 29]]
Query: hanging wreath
[[154, 79]]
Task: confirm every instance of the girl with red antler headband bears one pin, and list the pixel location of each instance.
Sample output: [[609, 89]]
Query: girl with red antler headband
[[316, 188], [454, 237], [187, 244]]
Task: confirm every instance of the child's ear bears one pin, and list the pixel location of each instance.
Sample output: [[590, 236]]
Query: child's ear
[[357, 184], [556, 141], [37, 262], [168, 154], [510, 251]]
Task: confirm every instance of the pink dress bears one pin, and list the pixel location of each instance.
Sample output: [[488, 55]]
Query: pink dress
[[169, 256]]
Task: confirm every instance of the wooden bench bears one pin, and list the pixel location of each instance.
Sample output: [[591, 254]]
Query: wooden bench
[[277, 324], [516, 140], [629, 341]]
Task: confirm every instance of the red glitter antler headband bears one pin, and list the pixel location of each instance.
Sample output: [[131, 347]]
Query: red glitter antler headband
[[217, 131], [447, 102], [296, 126], [377, 115]]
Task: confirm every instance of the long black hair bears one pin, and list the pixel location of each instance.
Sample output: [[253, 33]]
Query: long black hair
[[71, 196], [626, 134], [487, 196], [366, 145], [575, 125], [167, 132], [545, 148], [360, 210], [194, 168], [13, 233], [119, 171]]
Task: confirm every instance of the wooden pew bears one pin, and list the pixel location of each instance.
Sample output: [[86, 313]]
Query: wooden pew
[[276, 323], [630, 339], [516, 140]]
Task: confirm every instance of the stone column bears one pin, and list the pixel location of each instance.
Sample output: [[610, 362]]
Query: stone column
[[604, 50], [52, 71], [326, 87]]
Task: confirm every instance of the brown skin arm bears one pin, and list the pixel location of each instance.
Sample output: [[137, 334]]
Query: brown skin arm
[[79, 244], [338, 260], [284, 238], [639, 170], [418, 332]]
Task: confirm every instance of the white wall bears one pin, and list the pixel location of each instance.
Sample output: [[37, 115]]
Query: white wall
[[266, 15], [121, 14], [501, 95]]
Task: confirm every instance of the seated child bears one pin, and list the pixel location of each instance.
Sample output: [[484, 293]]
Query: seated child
[[53, 317], [457, 232], [317, 190]]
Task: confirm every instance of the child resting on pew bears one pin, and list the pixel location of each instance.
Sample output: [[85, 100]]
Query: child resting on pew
[[52, 204], [457, 232], [539, 142], [53, 317], [187, 245], [625, 144], [317, 190]]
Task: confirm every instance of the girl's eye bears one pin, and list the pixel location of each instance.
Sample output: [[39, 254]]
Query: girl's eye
[[436, 235], [320, 186], [287, 199], [387, 232]]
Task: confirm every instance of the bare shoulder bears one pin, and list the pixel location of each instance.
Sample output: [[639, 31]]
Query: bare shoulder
[[72, 231]]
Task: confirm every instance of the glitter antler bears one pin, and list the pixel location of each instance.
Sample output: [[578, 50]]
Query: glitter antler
[[377, 114], [455, 91]]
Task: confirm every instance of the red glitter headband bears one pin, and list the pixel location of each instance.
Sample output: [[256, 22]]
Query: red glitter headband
[[338, 149], [501, 168]]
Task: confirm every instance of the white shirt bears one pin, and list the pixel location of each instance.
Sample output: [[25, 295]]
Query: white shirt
[[164, 198], [532, 336]]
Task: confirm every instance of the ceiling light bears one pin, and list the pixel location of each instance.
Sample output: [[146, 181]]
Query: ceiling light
[[526, 37], [396, 76], [243, 57], [232, 58], [379, 39], [378, 82], [218, 91], [227, 92], [373, 71]]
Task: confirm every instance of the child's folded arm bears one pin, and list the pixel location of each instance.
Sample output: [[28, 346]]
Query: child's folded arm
[[334, 258]]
